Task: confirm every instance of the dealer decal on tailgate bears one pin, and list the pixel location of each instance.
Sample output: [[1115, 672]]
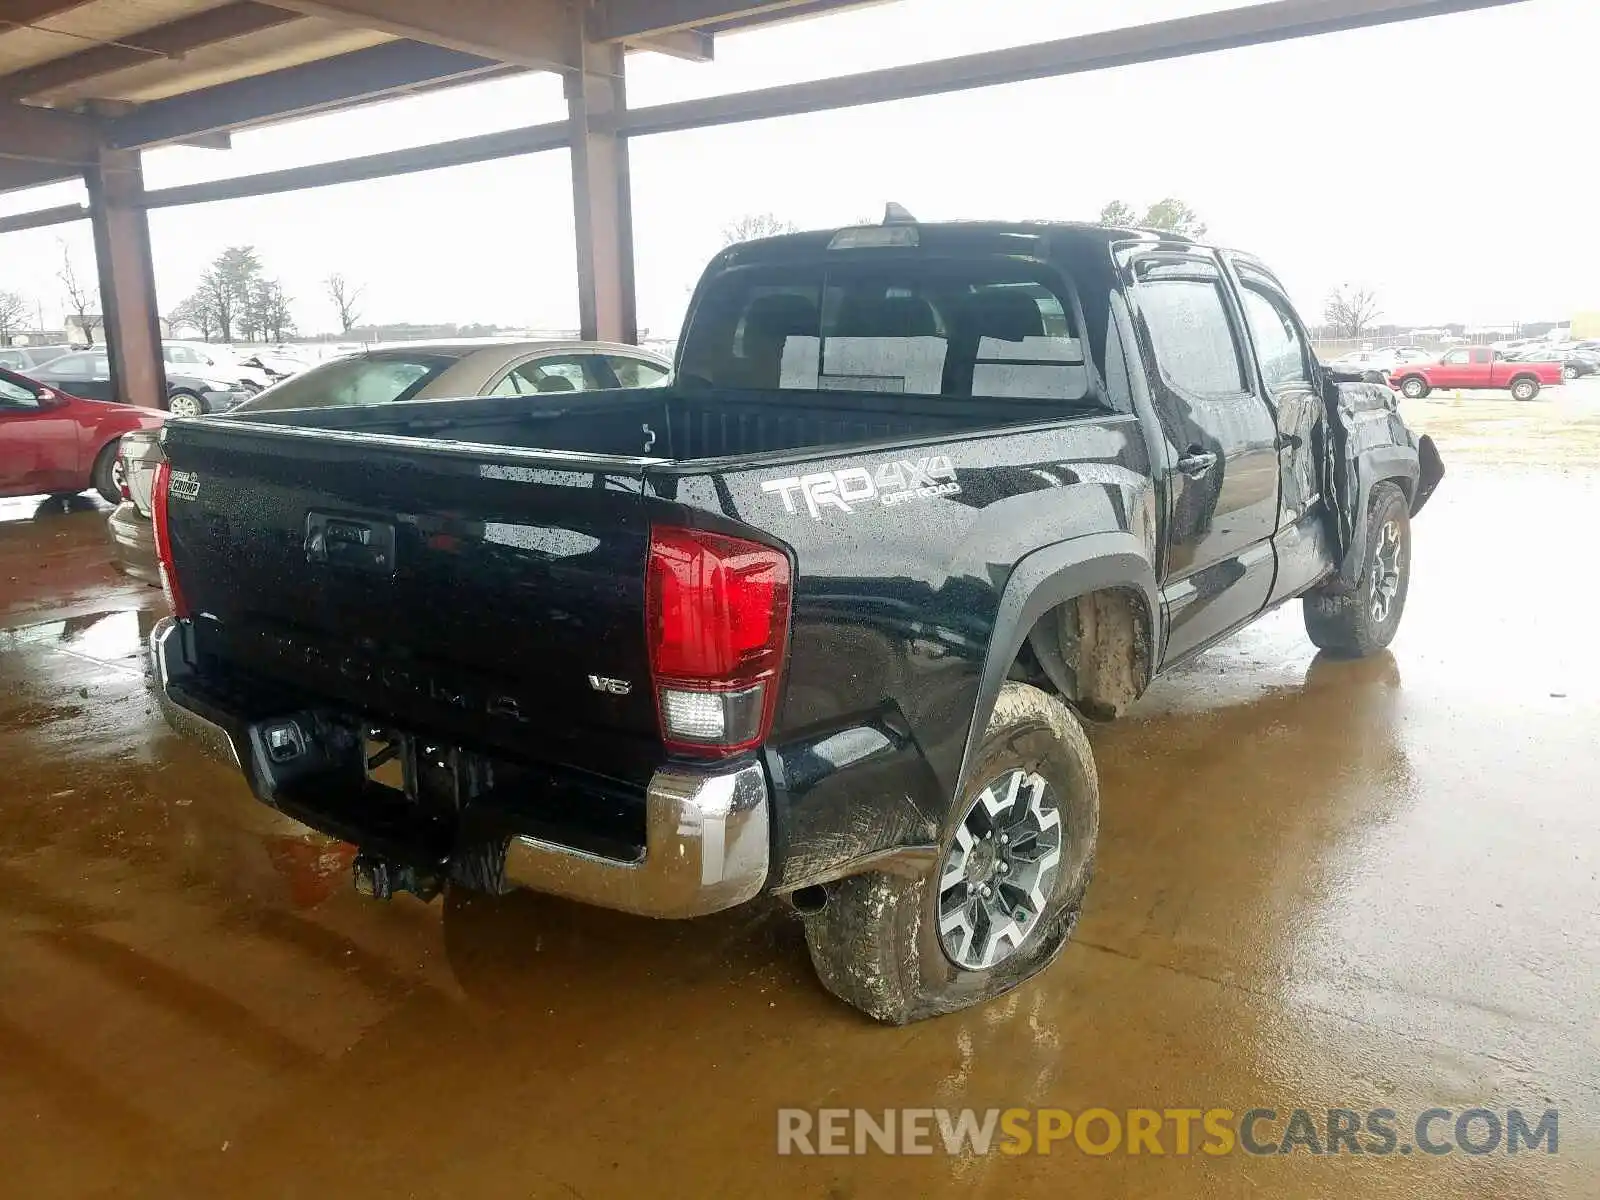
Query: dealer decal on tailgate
[[848, 489]]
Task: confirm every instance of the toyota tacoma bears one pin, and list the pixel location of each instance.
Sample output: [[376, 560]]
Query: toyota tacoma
[[822, 619]]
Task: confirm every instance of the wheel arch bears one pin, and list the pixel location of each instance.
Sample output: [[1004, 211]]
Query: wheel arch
[[1041, 588]]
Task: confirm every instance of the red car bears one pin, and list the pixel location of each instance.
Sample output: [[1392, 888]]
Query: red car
[[1475, 367], [54, 443]]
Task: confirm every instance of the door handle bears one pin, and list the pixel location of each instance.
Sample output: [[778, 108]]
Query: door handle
[[1197, 462]]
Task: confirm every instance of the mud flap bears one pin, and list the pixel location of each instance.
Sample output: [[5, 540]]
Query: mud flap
[[1432, 471]]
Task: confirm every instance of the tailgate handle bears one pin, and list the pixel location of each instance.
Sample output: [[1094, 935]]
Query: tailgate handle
[[354, 542]]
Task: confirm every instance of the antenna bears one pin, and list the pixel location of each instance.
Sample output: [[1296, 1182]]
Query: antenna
[[896, 214]]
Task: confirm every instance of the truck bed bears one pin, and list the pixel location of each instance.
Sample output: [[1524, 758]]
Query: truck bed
[[667, 424]]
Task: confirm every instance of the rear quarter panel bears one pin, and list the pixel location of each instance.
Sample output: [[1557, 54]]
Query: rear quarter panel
[[897, 593]]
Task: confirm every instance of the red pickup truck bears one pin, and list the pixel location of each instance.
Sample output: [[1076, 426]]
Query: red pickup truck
[[1475, 367]]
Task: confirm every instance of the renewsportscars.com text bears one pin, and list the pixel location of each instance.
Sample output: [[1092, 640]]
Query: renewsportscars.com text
[[1176, 1131]]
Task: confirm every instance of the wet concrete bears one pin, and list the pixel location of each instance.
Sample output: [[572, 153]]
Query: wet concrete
[[1320, 885]]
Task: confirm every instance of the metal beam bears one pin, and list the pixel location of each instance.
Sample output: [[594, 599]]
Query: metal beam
[[626, 20], [171, 40], [132, 322], [1252, 25], [295, 91], [41, 217], [602, 201], [528, 140], [692, 44], [29, 12], [542, 34], [43, 135]]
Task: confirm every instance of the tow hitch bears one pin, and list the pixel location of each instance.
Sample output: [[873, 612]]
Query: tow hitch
[[381, 878]]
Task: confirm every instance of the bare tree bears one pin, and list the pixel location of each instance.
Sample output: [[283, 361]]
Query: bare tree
[[757, 225], [82, 298], [198, 313], [13, 307], [269, 307], [1351, 310], [346, 298]]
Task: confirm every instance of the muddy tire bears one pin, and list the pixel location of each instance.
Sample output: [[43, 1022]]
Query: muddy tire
[[104, 476], [1414, 387], [902, 949], [1524, 388], [1364, 619]]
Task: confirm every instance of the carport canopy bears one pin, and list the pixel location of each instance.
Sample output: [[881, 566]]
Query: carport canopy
[[86, 85]]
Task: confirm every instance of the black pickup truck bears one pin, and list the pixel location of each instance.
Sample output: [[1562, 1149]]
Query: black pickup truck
[[820, 619]]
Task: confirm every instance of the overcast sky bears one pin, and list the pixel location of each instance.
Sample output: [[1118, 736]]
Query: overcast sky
[[1449, 163]]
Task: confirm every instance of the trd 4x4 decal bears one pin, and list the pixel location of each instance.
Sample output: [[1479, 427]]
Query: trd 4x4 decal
[[848, 489]]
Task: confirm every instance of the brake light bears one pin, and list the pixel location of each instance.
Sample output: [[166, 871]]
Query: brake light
[[163, 532], [717, 614]]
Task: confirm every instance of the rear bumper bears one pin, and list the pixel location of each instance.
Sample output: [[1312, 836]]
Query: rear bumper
[[708, 832], [133, 544]]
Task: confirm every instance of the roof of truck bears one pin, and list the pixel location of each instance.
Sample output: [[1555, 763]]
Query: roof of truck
[[952, 234]]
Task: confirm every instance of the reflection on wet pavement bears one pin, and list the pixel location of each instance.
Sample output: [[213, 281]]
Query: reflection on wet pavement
[[1320, 884]]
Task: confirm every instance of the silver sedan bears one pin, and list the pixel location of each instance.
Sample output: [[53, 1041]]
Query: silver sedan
[[390, 375]]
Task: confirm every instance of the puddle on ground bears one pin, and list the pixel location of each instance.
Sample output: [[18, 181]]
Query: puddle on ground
[[104, 636]]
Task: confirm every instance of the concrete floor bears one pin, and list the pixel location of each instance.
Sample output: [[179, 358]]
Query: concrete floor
[[1321, 884]]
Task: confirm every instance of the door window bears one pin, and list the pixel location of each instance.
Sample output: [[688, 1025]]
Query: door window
[[636, 372], [1279, 347], [1455, 358], [548, 376], [15, 396], [1192, 336], [75, 366]]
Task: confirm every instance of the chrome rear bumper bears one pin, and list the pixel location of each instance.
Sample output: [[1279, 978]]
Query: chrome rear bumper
[[707, 847], [707, 831]]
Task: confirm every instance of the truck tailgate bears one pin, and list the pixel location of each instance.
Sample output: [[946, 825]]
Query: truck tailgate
[[457, 591]]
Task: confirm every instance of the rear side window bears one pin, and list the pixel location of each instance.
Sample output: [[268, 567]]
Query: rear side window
[[978, 329], [365, 382], [1192, 336]]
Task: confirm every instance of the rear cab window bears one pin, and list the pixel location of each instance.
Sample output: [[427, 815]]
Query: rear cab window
[[978, 328]]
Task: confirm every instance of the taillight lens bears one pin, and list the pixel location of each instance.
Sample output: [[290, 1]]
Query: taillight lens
[[718, 620], [158, 518]]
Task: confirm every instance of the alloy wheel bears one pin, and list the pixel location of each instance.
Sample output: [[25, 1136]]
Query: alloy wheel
[[1386, 567], [998, 874]]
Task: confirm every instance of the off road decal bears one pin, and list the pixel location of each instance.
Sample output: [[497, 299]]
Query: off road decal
[[847, 490]]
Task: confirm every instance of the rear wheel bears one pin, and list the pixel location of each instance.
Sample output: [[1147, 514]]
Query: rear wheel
[[1414, 387], [1364, 619], [1524, 388], [1569, 371], [106, 475], [185, 404], [1003, 896]]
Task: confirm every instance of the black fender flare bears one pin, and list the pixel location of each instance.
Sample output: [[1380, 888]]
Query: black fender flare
[[1380, 464], [1046, 578]]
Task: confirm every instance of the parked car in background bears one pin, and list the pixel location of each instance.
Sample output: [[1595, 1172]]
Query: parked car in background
[[217, 362], [1476, 367], [27, 358], [1384, 361], [277, 366], [387, 375], [1574, 363], [191, 390], [59, 444]]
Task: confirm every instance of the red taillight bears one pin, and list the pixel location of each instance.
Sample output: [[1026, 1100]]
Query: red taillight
[[717, 620], [158, 518]]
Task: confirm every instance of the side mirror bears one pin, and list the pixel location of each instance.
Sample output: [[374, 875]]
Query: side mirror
[[49, 398]]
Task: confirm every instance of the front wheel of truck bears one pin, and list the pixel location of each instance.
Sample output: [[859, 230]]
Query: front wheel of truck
[[1362, 620], [1002, 898]]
